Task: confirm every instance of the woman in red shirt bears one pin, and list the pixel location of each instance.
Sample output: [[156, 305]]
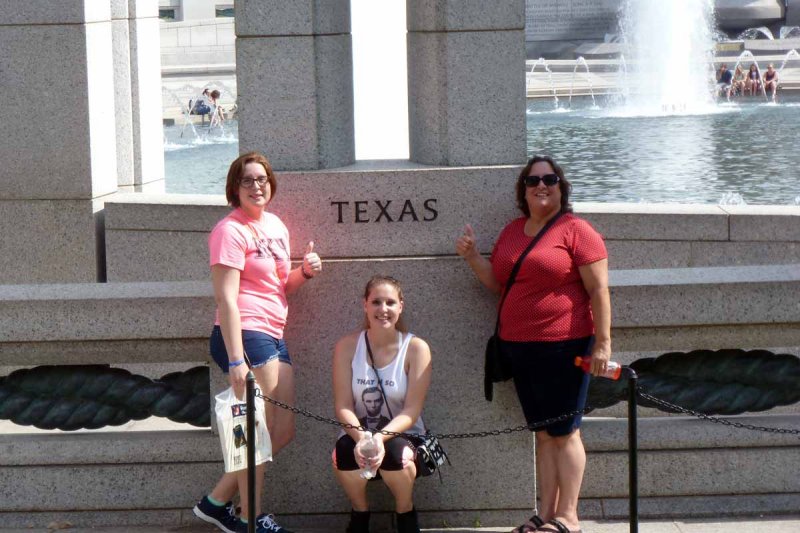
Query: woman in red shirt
[[558, 307]]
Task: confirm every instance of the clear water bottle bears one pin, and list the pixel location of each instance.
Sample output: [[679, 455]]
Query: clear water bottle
[[613, 369], [369, 450]]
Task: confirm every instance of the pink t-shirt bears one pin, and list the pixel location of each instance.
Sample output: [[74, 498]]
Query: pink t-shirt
[[259, 249], [547, 301]]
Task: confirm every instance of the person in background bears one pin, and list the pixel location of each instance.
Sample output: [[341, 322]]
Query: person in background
[[251, 273], [771, 81], [558, 308], [724, 81]]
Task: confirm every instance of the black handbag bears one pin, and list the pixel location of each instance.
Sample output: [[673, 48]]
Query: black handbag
[[496, 368], [429, 454]]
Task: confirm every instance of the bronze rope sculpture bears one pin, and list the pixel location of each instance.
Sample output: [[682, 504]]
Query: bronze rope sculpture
[[70, 397]]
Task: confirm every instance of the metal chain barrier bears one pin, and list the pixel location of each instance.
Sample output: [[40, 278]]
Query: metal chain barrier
[[715, 419], [529, 427], [471, 435]]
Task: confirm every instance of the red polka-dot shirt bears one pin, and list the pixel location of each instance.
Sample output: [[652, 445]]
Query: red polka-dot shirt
[[547, 302]]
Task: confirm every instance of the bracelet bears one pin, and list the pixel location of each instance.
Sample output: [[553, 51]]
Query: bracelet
[[233, 364], [303, 272]]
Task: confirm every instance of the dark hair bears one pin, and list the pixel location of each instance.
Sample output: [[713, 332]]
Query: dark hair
[[215, 94], [373, 282], [563, 184], [236, 171]]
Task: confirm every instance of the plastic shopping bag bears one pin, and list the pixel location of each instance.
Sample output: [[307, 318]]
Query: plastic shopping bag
[[232, 425]]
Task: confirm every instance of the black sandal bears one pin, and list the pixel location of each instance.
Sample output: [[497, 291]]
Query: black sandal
[[533, 523], [559, 527]]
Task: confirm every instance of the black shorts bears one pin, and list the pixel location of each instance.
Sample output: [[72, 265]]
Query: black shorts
[[547, 381], [345, 457]]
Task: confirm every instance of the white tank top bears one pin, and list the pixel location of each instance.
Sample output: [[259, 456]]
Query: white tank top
[[367, 398]]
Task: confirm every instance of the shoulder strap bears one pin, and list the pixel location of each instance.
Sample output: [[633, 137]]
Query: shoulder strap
[[377, 376], [513, 276]]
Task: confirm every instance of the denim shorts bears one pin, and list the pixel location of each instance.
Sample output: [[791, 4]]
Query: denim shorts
[[259, 347], [547, 381]]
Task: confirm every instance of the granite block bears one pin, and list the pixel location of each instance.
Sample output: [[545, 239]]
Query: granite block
[[156, 256], [683, 507], [106, 487], [74, 84], [68, 448], [630, 254], [704, 337], [34, 12], [457, 117], [48, 241], [307, 121], [764, 223], [687, 305], [123, 105], [304, 17], [681, 432], [715, 471], [204, 36], [84, 352], [743, 253], [119, 9], [465, 15], [113, 311], [137, 518], [661, 222], [165, 212]]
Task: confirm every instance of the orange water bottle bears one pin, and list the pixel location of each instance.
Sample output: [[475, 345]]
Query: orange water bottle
[[613, 369]]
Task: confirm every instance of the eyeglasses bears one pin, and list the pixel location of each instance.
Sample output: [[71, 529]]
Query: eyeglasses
[[249, 182], [548, 179]]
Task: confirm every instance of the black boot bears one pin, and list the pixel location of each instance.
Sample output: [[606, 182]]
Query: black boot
[[359, 522], [407, 522]]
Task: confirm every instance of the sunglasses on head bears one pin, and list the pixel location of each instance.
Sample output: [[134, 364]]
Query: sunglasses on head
[[548, 179]]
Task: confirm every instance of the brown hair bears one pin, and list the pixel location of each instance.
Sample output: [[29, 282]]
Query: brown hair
[[563, 185], [373, 282], [236, 171]]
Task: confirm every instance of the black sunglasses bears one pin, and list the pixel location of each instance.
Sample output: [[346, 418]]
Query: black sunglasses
[[548, 179]]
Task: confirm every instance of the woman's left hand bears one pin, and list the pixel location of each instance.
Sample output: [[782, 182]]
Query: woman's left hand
[[312, 264], [601, 355]]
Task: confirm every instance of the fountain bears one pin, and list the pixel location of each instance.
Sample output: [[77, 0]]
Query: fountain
[[671, 45], [753, 33], [529, 78], [578, 62], [789, 32]]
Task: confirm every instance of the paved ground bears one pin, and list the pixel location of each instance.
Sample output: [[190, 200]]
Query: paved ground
[[790, 524]]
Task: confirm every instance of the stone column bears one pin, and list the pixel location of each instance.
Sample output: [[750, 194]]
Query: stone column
[[146, 107], [122, 94], [295, 82], [466, 82], [58, 152]]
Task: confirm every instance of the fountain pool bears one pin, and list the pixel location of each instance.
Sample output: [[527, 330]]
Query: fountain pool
[[743, 152]]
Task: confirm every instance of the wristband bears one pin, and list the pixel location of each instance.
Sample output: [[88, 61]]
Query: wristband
[[232, 364], [303, 272]]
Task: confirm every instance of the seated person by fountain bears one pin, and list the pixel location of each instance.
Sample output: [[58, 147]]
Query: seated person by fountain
[[752, 83], [771, 80], [724, 81]]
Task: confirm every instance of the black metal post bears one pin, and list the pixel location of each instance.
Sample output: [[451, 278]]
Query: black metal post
[[633, 466], [251, 452]]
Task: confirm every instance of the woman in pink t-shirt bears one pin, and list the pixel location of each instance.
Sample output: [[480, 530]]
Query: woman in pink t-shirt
[[251, 274], [557, 308]]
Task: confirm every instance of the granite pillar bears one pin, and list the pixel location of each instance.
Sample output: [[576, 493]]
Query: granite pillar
[[146, 107], [295, 82], [466, 82], [58, 152], [122, 93]]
